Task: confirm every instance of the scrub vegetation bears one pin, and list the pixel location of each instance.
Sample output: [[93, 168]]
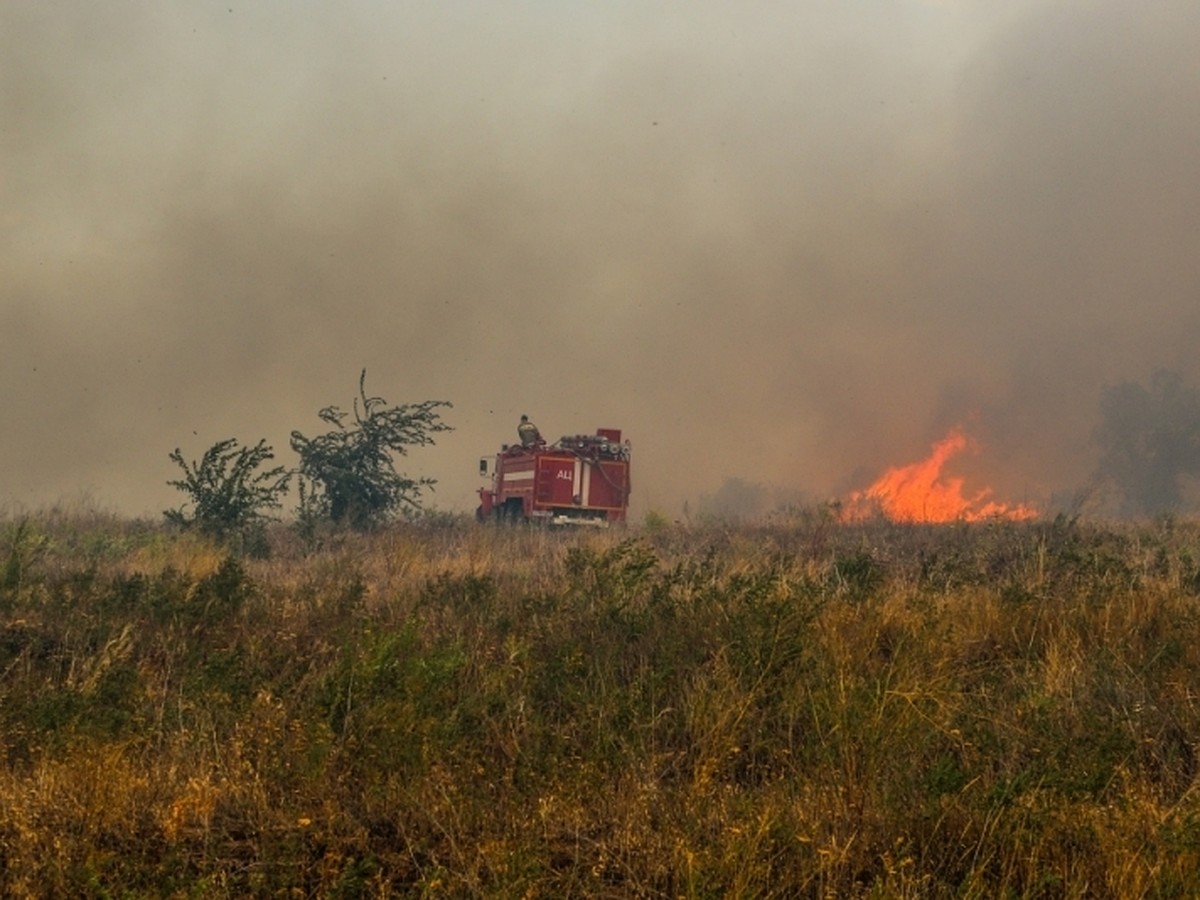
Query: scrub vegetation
[[804, 708], [346, 476]]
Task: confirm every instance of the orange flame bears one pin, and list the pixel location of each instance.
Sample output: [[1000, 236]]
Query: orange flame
[[921, 493]]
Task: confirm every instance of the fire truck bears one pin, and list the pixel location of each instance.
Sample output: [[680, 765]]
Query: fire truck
[[579, 480]]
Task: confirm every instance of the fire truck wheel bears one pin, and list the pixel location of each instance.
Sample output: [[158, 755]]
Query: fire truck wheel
[[479, 513], [513, 512]]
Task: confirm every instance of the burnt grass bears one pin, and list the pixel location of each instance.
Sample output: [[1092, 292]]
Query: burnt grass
[[797, 709]]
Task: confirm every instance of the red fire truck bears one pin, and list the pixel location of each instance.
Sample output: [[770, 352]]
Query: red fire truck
[[580, 480]]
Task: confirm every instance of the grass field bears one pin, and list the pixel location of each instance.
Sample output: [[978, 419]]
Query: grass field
[[799, 709]]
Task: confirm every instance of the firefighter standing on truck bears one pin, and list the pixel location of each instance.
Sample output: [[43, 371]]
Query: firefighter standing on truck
[[528, 432]]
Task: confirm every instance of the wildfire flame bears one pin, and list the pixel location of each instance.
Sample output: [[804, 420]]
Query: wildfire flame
[[921, 493]]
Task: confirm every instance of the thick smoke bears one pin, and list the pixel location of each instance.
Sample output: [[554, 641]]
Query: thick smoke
[[790, 246]]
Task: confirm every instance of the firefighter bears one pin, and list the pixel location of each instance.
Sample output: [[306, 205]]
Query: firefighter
[[528, 432]]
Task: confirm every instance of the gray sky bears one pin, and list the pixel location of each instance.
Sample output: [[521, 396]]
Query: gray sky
[[786, 242]]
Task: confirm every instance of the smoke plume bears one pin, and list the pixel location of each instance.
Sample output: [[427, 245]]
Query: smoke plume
[[791, 245]]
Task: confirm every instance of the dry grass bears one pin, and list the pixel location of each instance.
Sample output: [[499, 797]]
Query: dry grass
[[799, 709]]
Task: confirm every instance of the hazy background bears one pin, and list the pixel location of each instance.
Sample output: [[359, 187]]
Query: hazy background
[[789, 243]]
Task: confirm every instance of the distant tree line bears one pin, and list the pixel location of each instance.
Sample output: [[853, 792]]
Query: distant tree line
[[346, 476], [1149, 442]]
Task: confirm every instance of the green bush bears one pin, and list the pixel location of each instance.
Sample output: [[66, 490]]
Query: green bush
[[350, 470], [228, 491]]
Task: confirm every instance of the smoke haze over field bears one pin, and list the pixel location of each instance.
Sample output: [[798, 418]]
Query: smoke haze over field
[[790, 244]]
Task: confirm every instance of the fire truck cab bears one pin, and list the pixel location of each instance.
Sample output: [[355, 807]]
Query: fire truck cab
[[581, 479]]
